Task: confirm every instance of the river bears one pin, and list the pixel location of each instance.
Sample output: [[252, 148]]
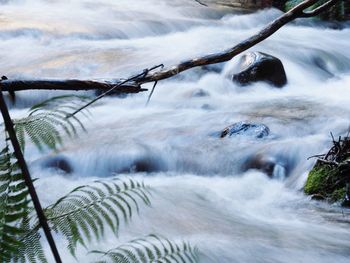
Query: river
[[202, 194]]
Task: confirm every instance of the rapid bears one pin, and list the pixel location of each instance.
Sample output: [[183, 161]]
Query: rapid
[[202, 193]]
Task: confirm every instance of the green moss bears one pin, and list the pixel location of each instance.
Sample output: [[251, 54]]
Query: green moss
[[323, 180], [338, 195], [317, 180]]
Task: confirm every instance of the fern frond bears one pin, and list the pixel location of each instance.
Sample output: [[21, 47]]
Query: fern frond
[[32, 250], [16, 242], [83, 213], [11, 209], [48, 119], [151, 249]]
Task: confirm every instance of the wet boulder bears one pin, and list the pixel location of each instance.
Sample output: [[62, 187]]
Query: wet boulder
[[258, 66], [247, 129], [59, 163]]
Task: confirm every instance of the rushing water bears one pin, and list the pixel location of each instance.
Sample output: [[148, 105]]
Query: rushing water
[[202, 193]]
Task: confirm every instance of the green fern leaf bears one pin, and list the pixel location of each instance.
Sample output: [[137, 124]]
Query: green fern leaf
[[83, 213], [48, 120], [152, 249], [18, 242]]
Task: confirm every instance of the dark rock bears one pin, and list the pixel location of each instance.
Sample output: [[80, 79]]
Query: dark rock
[[262, 164], [257, 66], [59, 163], [143, 165], [317, 197], [346, 201], [280, 4], [271, 166], [248, 129]]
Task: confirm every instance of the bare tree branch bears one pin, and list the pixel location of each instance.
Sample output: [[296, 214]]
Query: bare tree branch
[[301, 10], [270, 29], [17, 85]]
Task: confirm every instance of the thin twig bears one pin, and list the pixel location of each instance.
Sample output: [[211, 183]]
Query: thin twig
[[142, 75], [150, 95], [199, 2]]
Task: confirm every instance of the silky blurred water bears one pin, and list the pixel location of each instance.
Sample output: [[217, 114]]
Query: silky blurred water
[[202, 193]]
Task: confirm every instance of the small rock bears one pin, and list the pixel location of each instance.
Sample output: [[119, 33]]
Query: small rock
[[261, 163], [248, 129], [143, 165], [317, 197], [59, 163], [273, 167], [199, 93], [258, 66], [346, 201]]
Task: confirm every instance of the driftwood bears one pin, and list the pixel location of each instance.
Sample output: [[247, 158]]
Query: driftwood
[[299, 11]]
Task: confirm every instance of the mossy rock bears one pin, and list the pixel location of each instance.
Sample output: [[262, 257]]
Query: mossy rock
[[317, 180], [323, 180]]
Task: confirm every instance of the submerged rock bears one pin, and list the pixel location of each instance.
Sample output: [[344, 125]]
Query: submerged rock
[[248, 129], [346, 201], [59, 163], [258, 66], [146, 164], [270, 166], [200, 93]]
